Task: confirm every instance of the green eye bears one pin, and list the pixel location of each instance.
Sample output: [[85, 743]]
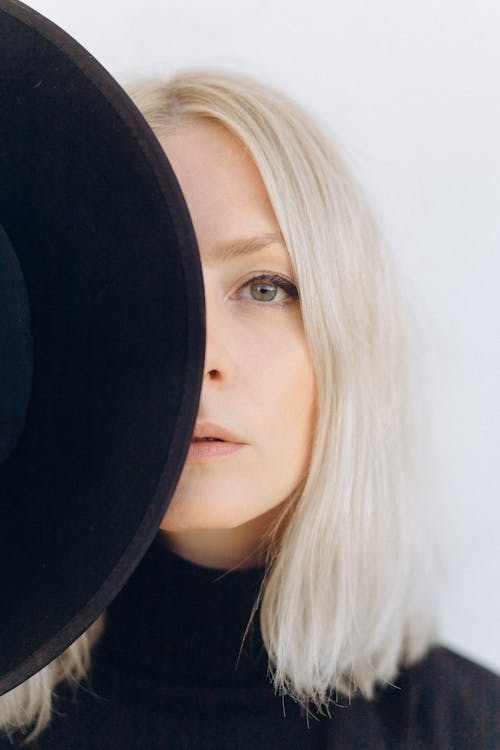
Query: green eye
[[263, 292], [266, 286]]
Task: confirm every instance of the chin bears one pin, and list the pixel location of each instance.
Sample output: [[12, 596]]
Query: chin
[[189, 516]]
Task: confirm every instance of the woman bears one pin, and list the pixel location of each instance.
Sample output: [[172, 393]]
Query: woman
[[285, 600]]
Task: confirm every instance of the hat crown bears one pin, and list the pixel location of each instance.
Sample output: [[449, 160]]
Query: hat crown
[[16, 351]]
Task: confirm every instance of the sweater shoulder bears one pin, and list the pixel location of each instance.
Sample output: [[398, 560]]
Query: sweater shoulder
[[457, 677], [445, 700]]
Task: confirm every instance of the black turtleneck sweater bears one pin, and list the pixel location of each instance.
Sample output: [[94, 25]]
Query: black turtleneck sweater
[[168, 675]]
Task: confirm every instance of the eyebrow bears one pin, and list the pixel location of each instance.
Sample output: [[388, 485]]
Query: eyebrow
[[247, 245]]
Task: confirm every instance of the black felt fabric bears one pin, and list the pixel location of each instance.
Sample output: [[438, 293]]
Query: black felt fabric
[[166, 675], [102, 335]]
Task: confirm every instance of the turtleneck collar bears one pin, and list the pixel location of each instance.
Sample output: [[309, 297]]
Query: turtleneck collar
[[179, 623]]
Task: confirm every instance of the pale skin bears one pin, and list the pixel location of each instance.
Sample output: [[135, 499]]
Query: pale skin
[[258, 375]]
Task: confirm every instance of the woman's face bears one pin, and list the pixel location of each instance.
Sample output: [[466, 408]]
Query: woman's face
[[258, 377]]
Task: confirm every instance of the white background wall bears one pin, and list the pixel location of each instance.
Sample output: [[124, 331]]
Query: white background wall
[[411, 90]]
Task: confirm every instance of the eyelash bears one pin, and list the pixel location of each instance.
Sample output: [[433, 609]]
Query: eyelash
[[275, 280]]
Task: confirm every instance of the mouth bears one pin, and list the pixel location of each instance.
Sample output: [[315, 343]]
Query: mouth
[[213, 432], [207, 440], [209, 449]]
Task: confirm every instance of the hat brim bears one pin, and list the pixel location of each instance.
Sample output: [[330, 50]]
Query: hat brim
[[108, 253]]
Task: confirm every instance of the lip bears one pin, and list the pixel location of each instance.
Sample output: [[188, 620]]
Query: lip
[[212, 429], [201, 452], [205, 451]]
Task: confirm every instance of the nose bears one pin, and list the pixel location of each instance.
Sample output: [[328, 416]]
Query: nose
[[220, 345]]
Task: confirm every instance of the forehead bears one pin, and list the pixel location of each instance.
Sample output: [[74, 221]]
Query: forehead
[[204, 145], [225, 194]]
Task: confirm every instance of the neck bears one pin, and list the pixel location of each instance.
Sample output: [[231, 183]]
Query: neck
[[241, 547]]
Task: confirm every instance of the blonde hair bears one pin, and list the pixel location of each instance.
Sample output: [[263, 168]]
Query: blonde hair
[[31, 702], [344, 601]]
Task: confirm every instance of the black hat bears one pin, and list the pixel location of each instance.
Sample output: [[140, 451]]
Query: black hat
[[102, 325]]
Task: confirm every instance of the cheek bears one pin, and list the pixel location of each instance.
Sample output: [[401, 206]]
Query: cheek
[[284, 392], [297, 406]]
